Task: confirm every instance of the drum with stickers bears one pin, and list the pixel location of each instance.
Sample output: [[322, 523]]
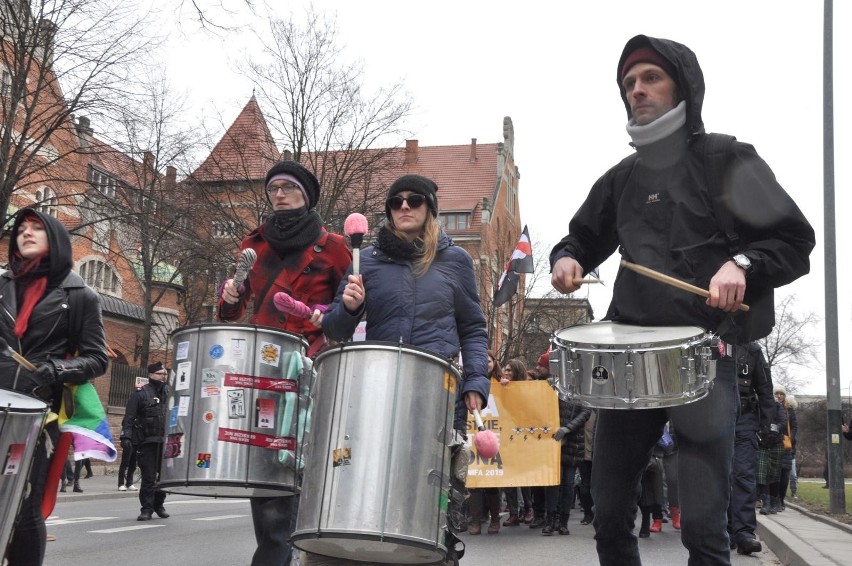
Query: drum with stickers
[[610, 365], [238, 410], [21, 420], [379, 465]]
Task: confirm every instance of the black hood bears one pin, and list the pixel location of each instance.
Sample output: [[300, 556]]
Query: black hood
[[58, 240], [689, 78]]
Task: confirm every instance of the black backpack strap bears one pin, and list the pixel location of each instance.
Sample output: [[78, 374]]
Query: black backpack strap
[[717, 157], [74, 298]]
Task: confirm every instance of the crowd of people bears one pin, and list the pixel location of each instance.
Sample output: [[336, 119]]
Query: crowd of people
[[685, 202]]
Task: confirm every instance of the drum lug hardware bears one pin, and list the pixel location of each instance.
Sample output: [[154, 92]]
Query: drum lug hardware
[[687, 367], [628, 374]]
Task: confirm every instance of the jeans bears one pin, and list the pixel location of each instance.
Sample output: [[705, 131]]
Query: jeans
[[29, 539], [742, 519], [149, 456], [561, 494], [624, 440], [274, 519]]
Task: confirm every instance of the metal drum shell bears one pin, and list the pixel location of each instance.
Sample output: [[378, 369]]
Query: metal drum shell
[[378, 462], [235, 470], [21, 420], [670, 365]]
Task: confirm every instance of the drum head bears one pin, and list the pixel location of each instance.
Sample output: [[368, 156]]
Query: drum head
[[619, 335], [20, 402]]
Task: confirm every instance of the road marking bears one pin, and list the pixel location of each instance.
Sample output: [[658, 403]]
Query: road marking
[[125, 529], [220, 517], [209, 501], [77, 520]]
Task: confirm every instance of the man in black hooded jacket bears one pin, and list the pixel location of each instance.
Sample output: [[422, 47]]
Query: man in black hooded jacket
[[661, 206]]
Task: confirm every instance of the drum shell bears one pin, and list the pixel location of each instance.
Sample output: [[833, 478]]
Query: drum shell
[[631, 367], [233, 469], [21, 421], [391, 407]]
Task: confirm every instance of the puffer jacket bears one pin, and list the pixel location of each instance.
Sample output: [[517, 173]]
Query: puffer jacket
[[48, 338], [438, 311], [573, 416], [656, 207]]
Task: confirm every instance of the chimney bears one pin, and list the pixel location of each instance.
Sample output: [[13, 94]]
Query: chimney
[[148, 161], [84, 131], [473, 150], [46, 35], [286, 155], [171, 178], [410, 152]]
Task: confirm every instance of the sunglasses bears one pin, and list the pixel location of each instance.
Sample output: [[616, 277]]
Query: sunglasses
[[414, 201]]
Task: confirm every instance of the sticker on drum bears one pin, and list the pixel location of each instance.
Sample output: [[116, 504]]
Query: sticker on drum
[[14, 458], [182, 376], [270, 353], [236, 404], [203, 460], [181, 351], [600, 375], [341, 457], [208, 417], [217, 351], [174, 446]]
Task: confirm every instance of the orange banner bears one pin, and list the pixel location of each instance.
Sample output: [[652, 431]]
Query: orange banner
[[524, 415]]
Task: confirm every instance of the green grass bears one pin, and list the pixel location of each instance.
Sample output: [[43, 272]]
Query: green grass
[[813, 493]]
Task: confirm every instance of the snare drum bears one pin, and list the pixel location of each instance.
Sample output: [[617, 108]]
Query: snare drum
[[610, 365], [21, 419], [377, 455], [239, 398]]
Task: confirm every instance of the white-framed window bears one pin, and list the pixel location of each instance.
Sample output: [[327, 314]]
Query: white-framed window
[[46, 201], [99, 275], [104, 183], [223, 228]]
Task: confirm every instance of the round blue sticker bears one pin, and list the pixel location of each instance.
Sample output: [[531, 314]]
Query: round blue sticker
[[216, 351]]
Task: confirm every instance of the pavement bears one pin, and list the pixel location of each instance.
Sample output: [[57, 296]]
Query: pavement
[[796, 536]]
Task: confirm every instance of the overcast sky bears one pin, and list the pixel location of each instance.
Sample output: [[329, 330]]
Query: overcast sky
[[551, 67]]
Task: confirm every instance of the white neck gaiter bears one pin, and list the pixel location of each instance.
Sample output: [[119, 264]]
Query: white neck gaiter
[[662, 127]]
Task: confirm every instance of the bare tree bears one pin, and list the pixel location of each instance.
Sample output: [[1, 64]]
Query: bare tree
[[59, 58], [318, 106], [791, 344]]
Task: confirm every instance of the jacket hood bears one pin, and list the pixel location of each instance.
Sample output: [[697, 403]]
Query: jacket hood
[[58, 240], [690, 78]]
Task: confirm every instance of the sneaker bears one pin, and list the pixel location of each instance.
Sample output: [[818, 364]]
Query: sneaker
[[132, 488], [122, 488]]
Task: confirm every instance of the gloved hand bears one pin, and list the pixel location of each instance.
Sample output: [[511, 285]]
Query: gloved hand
[[126, 445], [45, 378], [560, 433]]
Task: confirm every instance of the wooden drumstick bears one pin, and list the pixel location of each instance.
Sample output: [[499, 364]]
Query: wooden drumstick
[[579, 281], [668, 280], [6, 349]]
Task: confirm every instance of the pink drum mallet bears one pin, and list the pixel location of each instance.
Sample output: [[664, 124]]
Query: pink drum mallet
[[355, 227], [486, 442], [288, 305]]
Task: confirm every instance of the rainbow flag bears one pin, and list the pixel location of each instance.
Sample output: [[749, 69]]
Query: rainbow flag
[[87, 424]]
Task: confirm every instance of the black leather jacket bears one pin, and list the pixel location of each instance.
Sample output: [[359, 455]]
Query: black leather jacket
[[48, 336]]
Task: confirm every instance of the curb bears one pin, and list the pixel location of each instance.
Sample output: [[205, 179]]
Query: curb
[[819, 517]]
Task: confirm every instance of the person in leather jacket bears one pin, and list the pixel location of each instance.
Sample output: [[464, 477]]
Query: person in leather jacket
[[35, 294], [143, 429]]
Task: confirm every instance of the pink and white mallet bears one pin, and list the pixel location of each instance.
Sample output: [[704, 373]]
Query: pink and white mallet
[[486, 442], [355, 227]]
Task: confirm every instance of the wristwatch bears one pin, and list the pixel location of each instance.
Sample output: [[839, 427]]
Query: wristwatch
[[742, 261]]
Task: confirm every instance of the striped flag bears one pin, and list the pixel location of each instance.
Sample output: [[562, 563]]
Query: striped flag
[[520, 262]]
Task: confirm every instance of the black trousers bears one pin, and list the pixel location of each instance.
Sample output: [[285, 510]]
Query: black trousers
[[149, 456], [127, 467]]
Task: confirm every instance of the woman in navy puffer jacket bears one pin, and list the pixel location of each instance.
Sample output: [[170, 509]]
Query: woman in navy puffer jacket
[[417, 287]]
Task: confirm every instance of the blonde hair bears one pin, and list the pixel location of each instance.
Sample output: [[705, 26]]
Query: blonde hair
[[427, 240]]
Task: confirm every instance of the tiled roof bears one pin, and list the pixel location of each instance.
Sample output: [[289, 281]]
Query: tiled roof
[[246, 151], [114, 162], [121, 308]]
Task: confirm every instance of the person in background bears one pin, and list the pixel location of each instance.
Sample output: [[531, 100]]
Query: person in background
[[143, 429], [718, 220], [757, 410], [516, 370], [587, 503], [35, 293], [788, 459], [417, 287], [127, 468], [771, 444], [296, 256], [486, 501], [67, 476], [538, 494], [651, 496], [671, 495]]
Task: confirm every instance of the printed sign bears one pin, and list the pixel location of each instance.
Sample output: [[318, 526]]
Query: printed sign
[[236, 403], [261, 383], [174, 446], [210, 380], [183, 406], [238, 348], [269, 354], [257, 439], [181, 351], [183, 376], [173, 417], [265, 415], [14, 457]]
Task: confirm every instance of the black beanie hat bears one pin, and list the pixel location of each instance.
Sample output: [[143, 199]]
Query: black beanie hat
[[155, 367], [415, 184], [300, 173]]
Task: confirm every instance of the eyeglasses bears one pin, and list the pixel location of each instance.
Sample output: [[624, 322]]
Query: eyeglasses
[[160, 372], [414, 201], [287, 188]]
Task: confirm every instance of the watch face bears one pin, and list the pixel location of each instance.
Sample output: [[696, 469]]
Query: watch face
[[742, 261]]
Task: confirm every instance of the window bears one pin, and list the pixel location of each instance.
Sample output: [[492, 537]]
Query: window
[[46, 201], [100, 276], [105, 184], [223, 228], [456, 221]]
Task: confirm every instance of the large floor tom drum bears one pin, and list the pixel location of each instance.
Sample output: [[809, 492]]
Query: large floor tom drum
[[239, 407], [610, 365], [378, 460], [21, 419]]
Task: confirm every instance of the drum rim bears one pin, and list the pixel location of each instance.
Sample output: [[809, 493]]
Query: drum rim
[[32, 405], [697, 336], [239, 326], [320, 534], [390, 346]]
